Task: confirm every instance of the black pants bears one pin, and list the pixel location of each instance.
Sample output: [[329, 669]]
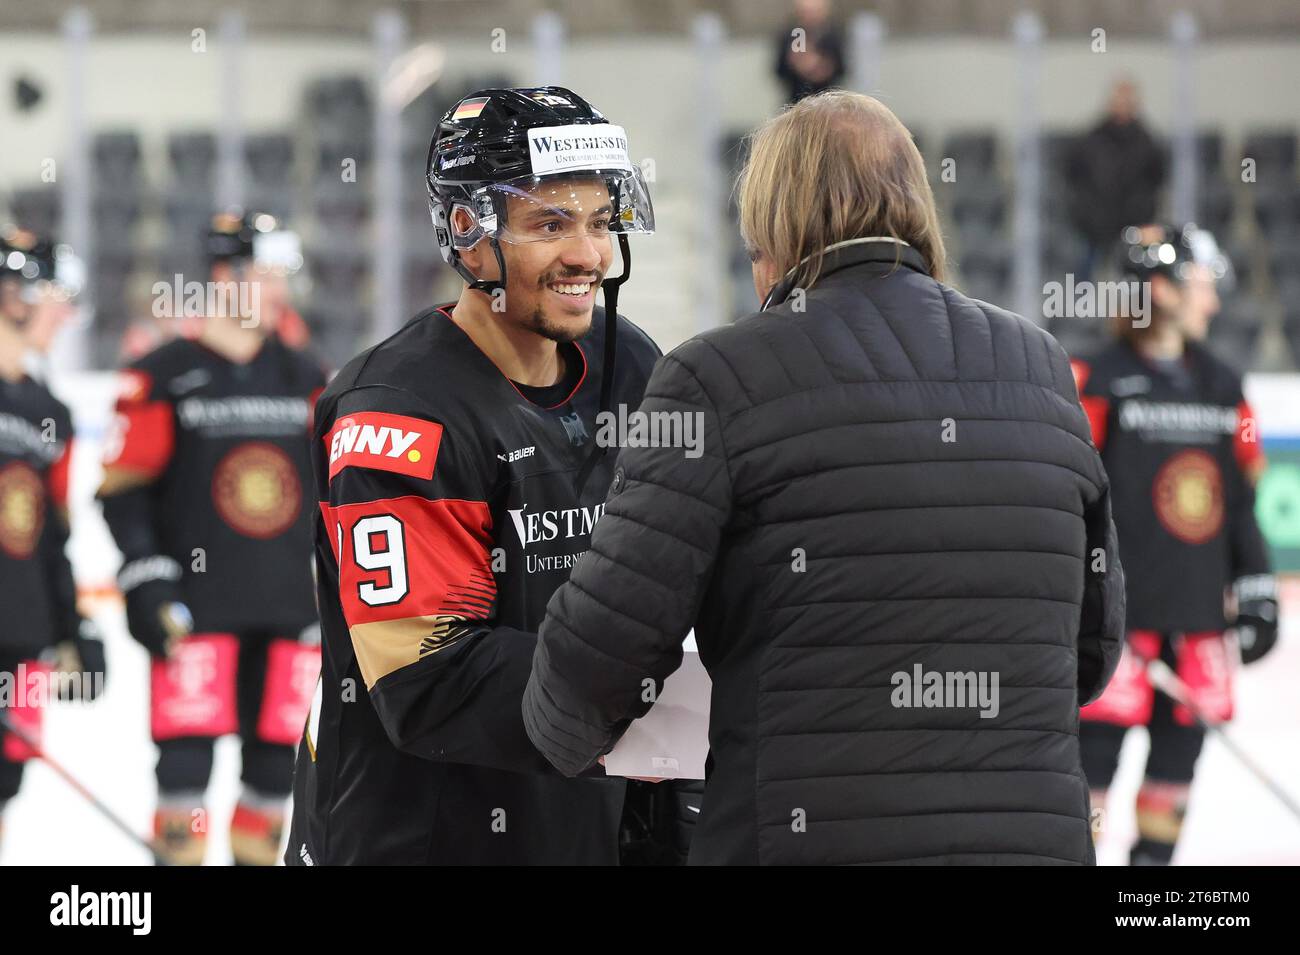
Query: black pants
[[659, 821], [185, 763], [11, 773]]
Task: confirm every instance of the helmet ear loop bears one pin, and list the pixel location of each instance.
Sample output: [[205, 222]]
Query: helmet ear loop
[[473, 281], [489, 286]]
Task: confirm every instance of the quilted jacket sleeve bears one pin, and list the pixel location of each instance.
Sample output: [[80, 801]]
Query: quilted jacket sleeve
[[1101, 621], [613, 632]]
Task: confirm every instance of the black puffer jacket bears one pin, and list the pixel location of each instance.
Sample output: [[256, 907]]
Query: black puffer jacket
[[896, 477]]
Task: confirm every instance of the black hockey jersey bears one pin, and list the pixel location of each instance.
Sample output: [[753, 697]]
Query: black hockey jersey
[[1182, 449], [37, 593], [207, 482], [448, 517]]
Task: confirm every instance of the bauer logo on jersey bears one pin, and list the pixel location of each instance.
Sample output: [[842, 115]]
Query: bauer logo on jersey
[[590, 146], [384, 442]]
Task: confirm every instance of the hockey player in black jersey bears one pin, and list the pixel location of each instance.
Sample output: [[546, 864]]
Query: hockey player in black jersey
[[207, 491], [459, 480], [38, 601], [1182, 449]]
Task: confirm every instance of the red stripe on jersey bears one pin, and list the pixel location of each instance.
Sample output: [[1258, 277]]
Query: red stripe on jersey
[[143, 437], [311, 408], [1098, 411], [59, 474], [1094, 406], [410, 556], [383, 442], [331, 527], [1246, 442], [1081, 371]]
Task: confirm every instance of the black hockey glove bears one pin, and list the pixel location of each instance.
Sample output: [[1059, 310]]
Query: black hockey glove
[[1256, 615], [82, 656], [155, 614]]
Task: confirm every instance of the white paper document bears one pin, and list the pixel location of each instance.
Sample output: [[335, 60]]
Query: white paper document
[[672, 740]]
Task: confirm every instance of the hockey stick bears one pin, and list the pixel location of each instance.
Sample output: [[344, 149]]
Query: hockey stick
[[1167, 682], [159, 857]]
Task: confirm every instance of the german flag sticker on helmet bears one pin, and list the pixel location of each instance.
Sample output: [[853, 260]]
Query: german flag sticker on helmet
[[383, 442], [470, 108]]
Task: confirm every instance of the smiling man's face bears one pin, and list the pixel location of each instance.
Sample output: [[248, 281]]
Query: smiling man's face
[[557, 248]]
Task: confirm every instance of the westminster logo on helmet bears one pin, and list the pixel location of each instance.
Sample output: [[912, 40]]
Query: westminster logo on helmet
[[578, 147]]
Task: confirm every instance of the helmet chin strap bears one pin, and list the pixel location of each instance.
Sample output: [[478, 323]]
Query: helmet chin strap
[[489, 286], [609, 292]]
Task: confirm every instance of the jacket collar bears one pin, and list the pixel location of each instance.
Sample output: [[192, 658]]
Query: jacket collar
[[874, 251], [842, 255]]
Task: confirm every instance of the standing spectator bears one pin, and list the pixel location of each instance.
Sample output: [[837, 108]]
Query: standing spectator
[[1115, 172], [810, 51]]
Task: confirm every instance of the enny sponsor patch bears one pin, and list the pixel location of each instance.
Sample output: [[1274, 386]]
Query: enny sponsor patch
[[384, 442], [581, 146]]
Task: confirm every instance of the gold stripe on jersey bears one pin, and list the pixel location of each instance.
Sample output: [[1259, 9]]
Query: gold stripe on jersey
[[385, 646]]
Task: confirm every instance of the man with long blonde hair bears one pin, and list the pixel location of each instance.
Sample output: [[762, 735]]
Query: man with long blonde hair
[[895, 548]]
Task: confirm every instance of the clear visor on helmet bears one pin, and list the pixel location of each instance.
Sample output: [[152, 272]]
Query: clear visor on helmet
[[277, 252], [1151, 247], [1207, 254], [593, 203], [63, 286]]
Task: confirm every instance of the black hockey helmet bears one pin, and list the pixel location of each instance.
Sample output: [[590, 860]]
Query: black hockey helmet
[[498, 144], [1162, 249], [234, 236], [42, 265]]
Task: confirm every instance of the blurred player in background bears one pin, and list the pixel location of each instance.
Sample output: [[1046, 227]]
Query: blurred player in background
[[276, 266], [38, 599], [207, 492], [53, 298], [1182, 450]]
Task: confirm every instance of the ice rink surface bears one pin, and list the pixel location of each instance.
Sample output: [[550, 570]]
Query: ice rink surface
[[1233, 819]]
